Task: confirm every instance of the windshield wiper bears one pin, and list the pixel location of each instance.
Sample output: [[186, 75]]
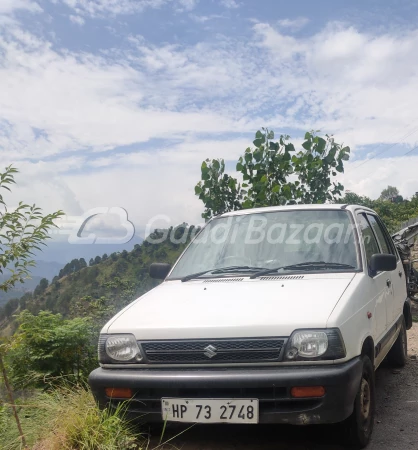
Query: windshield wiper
[[304, 266], [222, 270]]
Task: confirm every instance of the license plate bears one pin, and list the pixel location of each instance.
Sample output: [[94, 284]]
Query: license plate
[[210, 410]]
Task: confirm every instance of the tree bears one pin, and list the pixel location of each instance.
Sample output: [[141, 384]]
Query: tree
[[97, 260], [47, 345], [91, 262], [22, 230], [393, 213], [104, 257], [389, 193], [82, 263], [40, 289], [274, 173]]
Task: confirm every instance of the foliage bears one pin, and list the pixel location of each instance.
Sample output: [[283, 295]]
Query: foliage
[[68, 419], [274, 173], [389, 193], [48, 346], [43, 284], [71, 267], [393, 214], [219, 191], [23, 230]]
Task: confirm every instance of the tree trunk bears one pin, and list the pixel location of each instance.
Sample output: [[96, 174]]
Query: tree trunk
[[12, 402]]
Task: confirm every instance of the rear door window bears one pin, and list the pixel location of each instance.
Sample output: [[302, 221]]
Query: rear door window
[[369, 239], [379, 234]]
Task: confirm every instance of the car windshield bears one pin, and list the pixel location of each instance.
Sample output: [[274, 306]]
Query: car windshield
[[248, 242]]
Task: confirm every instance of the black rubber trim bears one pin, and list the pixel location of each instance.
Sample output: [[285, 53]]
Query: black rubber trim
[[408, 313], [388, 336]]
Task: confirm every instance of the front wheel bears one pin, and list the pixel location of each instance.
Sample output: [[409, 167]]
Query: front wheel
[[398, 354], [359, 426]]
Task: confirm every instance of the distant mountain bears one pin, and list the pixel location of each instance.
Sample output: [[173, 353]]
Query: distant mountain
[[53, 257], [19, 290], [63, 252], [43, 269], [46, 269]]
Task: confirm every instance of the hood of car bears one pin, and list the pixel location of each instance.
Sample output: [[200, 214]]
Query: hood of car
[[232, 307]]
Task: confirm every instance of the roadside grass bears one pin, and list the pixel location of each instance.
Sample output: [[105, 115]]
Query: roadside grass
[[68, 419]]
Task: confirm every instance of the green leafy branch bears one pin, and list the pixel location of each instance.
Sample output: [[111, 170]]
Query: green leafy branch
[[274, 173], [22, 231]]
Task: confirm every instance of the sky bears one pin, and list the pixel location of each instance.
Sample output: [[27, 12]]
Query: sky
[[115, 103]]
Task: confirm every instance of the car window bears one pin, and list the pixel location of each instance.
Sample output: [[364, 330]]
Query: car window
[[370, 243], [389, 239], [272, 239], [379, 234]]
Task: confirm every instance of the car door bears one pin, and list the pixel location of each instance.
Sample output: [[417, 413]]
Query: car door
[[378, 285], [394, 308]]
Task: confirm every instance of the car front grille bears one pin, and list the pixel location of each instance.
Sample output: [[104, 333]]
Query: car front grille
[[214, 351]]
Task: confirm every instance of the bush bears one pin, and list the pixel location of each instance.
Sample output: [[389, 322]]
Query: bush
[[68, 419], [48, 346]]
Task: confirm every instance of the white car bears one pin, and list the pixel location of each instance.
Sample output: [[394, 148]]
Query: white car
[[271, 315]]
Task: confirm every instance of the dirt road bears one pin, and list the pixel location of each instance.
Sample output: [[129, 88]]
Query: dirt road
[[396, 426]]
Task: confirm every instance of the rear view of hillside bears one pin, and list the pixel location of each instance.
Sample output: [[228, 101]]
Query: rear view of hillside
[[108, 284]]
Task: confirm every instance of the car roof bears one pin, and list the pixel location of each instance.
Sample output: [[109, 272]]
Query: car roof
[[324, 206]]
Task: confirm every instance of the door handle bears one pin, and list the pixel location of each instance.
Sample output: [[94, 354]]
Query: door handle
[[388, 283], [400, 274]]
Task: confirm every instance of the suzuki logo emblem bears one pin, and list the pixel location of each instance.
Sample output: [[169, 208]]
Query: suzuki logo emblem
[[210, 351]]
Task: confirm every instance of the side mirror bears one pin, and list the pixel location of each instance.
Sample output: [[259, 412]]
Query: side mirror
[[382, 262], [159, 270]]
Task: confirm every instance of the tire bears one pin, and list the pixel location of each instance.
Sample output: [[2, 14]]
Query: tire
[[398, 354], [359, 426]]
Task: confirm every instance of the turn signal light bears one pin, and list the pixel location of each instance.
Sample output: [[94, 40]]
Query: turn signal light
[[113, 392], [307, 392]]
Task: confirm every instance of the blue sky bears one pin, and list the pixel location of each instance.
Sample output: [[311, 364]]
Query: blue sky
[[117, 102]]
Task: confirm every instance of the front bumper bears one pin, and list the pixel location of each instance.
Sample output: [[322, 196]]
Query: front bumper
[[270, 385]]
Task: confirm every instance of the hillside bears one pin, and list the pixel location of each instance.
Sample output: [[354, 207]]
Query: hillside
[[106, 285], [17, 292]]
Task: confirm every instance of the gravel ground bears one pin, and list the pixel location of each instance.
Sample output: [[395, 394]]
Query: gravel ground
[[395, 428]]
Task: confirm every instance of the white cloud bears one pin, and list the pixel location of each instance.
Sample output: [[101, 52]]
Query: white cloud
[[355, 85], [8, 6], [97, 8], [230, 4], [78, 20], [202, 19], [82, 101], [186, 5], [61, 106], [294, 24], [103, 8], [375, 175]]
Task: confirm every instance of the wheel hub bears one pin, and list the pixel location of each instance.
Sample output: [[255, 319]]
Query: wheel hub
[[365, 399]]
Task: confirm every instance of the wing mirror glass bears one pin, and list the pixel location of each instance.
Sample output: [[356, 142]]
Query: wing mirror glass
[[382, 262], [159, 270]]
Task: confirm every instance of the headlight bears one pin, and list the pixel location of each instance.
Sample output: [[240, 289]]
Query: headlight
[[314, 345], [118, 348]]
